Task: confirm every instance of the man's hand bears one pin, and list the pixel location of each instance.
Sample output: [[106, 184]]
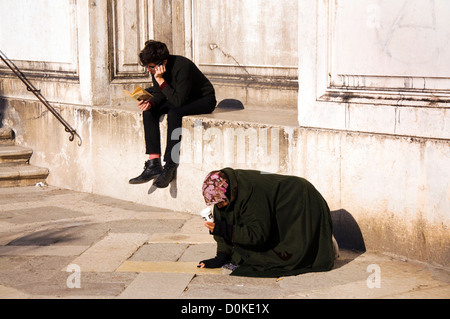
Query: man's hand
[[144, 105], [159, 72]]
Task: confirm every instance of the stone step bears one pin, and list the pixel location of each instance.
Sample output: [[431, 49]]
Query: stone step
[[22, 175], [6, 136], [15, 169], [14, 154]]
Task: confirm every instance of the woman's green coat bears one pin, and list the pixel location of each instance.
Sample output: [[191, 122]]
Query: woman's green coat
[[281, 225]]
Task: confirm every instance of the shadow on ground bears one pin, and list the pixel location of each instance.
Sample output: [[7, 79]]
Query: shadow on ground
[[348, 236]]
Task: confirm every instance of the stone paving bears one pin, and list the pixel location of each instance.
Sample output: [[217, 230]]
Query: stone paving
[[57, 243]]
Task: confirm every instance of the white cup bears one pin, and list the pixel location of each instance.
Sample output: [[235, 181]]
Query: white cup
[[207, 214]]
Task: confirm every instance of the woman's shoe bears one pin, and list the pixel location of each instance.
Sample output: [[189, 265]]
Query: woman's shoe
[[335, 247]]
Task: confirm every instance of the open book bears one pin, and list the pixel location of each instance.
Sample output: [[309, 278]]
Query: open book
[[139, 94]]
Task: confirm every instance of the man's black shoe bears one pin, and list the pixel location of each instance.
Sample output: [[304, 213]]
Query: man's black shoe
[[167, 175], [152, 169]]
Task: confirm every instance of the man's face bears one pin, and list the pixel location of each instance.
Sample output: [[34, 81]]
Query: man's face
[[151, 67]]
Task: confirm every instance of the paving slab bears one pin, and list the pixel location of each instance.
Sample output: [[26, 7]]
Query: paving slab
[[42, 250], [109, 253], [157, 285], [28, 271], [167, 267], [11, 293], [180, 238], [41, 214], [159, 252], [363, 276], [92, 285], [62, 233], [198, 252]]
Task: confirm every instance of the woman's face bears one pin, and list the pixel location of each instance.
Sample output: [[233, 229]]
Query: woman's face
[[222, 204]]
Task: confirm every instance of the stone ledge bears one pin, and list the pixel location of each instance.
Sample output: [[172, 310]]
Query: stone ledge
[[277, 118]]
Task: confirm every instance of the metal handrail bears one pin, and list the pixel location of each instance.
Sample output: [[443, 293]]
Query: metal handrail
[[37, 93]]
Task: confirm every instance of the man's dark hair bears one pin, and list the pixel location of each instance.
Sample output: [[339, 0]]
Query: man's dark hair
[[153, 52]]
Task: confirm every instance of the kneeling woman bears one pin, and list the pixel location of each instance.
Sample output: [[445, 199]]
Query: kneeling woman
[[268, 225]]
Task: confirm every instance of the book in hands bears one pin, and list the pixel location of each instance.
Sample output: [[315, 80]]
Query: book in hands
[[139, 94]]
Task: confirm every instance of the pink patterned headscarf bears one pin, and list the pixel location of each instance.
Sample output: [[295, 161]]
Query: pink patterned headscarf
[[214, 188]]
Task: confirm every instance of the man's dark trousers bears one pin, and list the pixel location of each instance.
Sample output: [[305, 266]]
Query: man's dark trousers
[[175, 115]]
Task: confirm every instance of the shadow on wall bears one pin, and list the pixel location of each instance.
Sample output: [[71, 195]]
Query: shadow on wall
[[230, 105], [173, 190], [346, 231], [2, 111]]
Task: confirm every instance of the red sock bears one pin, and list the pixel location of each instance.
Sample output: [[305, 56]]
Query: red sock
[[153, 156]]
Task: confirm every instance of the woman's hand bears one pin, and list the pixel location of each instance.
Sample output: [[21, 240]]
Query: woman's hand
[[210, 226], [216, 262]]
